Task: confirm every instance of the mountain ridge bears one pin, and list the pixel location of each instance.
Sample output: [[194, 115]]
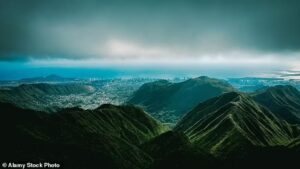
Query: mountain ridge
[[231, 129], [36, 96], [282, 100], [169, 101], [234, 119], [109, 134]]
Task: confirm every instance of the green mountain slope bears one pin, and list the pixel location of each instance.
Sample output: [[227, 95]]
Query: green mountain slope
[[166, 143], [37, 96], [174, 150], [105, 137], [233, 123], [283, 101], [169, 101], [50, 89]]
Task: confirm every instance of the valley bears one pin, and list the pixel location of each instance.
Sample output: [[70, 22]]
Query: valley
[[211, 124]]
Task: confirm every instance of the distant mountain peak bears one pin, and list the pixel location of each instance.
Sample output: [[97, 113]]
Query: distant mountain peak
[[169, 101], [202, 77], [53, 76], [276, 89], [287, 88], [158, 82]]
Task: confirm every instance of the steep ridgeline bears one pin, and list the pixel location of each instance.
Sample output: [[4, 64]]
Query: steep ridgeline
[[283, 101], [233, 123], [169, 101], [38, 96], [108, 136]]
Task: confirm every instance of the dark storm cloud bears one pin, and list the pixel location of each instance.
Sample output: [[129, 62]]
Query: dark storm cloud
[[76, 29]]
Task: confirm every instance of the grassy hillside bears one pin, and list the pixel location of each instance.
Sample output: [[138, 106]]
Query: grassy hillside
[[170, 101], [231, 130], [283, 101], [37, 96], [109, 135], [233, 123]]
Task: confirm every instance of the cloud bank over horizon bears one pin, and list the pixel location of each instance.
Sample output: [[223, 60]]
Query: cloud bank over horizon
[[154, 33]]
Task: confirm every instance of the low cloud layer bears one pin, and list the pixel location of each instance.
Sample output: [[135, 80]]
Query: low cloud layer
[[150, 31]]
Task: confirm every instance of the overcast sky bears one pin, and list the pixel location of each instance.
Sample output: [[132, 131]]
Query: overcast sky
[[259, 34]]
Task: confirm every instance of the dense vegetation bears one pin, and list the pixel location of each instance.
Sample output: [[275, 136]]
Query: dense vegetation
[[108, 136], [168, 101], [230, 130]]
